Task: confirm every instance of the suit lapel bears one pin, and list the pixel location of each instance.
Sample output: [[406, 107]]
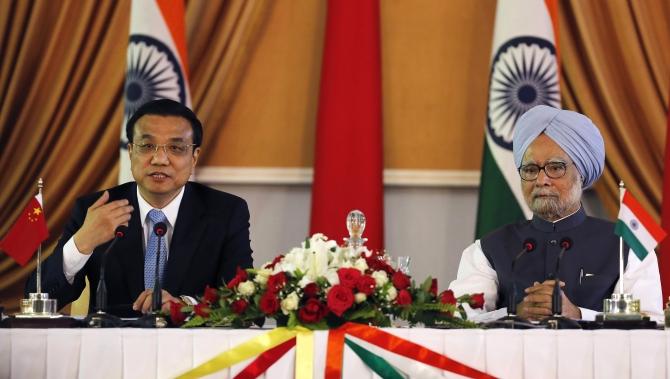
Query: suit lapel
[[187, 234], [131, 248]]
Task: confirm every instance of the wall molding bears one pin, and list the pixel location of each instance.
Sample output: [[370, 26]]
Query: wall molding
[[303, 176]]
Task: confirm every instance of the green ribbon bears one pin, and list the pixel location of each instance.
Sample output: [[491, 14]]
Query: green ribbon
[[376, 363]]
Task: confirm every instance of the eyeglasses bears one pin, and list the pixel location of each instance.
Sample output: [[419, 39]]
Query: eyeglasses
[[554, 170], [174, 149]]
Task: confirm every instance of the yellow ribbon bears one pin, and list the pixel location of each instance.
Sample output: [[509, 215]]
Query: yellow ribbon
[[254, 347], [259, 344], [304, 356]]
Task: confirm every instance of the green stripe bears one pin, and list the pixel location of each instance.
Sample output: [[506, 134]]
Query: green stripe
[[497, 204], [622, 230], [376, 363]]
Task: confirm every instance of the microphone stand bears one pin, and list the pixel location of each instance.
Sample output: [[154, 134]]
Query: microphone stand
[[557, 320], [102, 319], [155, 319], [512, 321]]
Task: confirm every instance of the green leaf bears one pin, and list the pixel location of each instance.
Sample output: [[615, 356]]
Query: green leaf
[[292, 320]]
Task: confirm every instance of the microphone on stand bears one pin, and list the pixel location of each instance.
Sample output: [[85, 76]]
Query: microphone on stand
[[157, 297], [101, 319], [528, 245], [557, 321], [512, 321], [155, 319]]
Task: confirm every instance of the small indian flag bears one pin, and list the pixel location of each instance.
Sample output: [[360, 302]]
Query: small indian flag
[[637, 227]]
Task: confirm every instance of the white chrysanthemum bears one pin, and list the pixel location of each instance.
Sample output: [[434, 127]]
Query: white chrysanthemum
[[391, 294], [361, 265], [360, 297], [262, 276], [380, 278], [290, 303], [246, 288]]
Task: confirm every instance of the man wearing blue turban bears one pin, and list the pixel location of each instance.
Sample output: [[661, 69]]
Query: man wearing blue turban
[[558, 153]]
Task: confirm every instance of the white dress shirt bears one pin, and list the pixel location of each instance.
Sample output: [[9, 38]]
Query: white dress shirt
[[475, 275], [74, 260]]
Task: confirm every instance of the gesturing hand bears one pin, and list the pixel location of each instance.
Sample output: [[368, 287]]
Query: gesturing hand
[[102, 219]]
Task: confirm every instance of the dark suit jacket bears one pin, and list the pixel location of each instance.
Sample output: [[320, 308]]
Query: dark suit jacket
[[210, 240]]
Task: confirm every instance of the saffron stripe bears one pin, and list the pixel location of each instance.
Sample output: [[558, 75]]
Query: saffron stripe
[[645, 219]]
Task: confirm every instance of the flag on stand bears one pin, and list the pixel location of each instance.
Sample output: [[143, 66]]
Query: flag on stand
[[156, 64], [636, 226], [524, 73], [27, 233], [348, 165]]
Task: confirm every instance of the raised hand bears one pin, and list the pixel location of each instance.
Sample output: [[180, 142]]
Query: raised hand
[[102, 219]]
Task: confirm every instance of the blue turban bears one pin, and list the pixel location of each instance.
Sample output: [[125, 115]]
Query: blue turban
[[573, 132]]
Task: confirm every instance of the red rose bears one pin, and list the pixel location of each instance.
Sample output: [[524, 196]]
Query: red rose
[[376, 262], [239, 278], [276, 282], [274, 262], [269, 303], [176, 315], [404, 298], [210, 295], [477, 301], [447, 297], [311, 290], [433, 287], [366, 284], [239, 306], [340, 298], [202, 310], [313, 311], [400, 280], [348, 277]]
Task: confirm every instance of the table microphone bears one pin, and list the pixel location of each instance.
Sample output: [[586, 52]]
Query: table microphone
[[528, 245], [512, 321], [557, 321], [157, 297], [101, 319], [155, 319]]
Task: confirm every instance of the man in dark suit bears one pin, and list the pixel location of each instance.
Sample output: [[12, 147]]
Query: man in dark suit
[[207, 230]]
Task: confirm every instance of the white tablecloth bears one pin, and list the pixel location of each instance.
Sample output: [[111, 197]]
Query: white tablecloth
[[140, 353]]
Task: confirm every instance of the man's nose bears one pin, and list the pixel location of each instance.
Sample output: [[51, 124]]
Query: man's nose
[[542, 178], [160, 156]]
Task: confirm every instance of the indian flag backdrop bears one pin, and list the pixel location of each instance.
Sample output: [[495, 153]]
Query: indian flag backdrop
[[637, 227], [156, 64], [524, 73]]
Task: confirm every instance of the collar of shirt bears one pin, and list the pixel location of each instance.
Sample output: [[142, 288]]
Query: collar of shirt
[[566, 223], [170, 211]]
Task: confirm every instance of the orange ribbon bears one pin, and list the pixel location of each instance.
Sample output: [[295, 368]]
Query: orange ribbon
[[394, 344]]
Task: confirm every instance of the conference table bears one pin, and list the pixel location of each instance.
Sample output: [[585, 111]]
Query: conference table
[[166, 353]]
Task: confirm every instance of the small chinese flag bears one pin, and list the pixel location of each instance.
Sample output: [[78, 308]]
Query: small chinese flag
[[28, 231]]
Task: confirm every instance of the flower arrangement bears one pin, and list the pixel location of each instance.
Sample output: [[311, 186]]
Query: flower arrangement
[[321, 285]]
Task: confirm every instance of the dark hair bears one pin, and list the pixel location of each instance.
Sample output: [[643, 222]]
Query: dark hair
[[166, 107]]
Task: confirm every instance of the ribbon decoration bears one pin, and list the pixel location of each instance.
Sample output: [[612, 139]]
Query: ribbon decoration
[[392, 343], [256, 346], [265, 360], [376, 363]]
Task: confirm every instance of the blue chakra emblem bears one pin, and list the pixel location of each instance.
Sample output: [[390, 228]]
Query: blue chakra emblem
[[634, 224], [152, 72], [523, 75]]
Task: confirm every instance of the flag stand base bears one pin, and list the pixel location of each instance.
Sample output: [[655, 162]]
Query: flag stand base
[[38, 305]]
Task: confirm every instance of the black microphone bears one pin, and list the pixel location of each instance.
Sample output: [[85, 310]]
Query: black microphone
[[101, 292], [100, 319], [157, 297], [528, 245], [556, 303]]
